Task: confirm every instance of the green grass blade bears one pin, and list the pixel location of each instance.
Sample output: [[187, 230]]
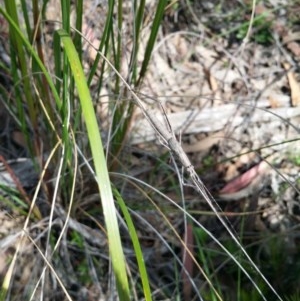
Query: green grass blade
[[118, 54], [102, 175], [18, 50], [57, 64], [23, 40], [66, 12], [104, 40], [137, 29], [26, 17], [155, 26], [136, 246], [78, 38]]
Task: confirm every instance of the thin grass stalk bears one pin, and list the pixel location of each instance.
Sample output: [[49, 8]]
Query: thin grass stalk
[[42, 86], [102, 176], [23, 40], [66, 12], [151, 41], [206, 260], [26, 17], [67, 95], [137, 28], [78, 25], [57, 65], [18, 51], [103, 65], [20, 114], [118, 54], [122, 111], [104, 41]]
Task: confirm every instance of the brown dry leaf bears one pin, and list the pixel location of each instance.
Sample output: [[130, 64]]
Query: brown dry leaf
[[245, 184], [294, 85]]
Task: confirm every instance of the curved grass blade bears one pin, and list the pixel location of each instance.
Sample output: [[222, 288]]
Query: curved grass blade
[[136, 246], [102, 175]]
